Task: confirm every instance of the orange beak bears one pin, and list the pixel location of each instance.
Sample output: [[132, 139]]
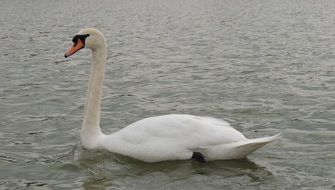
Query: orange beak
[[76, 47]]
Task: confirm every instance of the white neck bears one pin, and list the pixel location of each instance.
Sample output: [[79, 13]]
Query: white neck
[[91, 131]]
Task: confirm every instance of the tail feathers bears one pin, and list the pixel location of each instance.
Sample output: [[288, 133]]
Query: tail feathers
[[251, 145], [237, 150], [265, 139]]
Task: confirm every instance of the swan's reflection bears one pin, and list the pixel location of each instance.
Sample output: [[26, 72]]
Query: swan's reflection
[[109, 170]]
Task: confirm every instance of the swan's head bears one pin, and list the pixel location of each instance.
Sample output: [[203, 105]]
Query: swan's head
[[89, 38]]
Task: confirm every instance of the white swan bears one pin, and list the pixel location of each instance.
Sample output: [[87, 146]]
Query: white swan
[[167, 137]]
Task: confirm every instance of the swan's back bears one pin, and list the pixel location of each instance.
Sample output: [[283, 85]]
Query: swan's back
[[188, 130]]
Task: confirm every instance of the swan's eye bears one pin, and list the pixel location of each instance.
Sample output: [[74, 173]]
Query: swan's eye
[[81, 37]]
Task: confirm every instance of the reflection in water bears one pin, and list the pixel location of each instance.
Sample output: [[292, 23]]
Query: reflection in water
[[96, 183], [106, 169], [234, 168]]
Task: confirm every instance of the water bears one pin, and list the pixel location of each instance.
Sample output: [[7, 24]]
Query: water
[[264, 66]]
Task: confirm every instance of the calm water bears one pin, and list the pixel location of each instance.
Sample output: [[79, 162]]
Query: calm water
[[264, 66]]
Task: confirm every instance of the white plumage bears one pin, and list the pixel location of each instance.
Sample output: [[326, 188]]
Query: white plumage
[[167, 137]]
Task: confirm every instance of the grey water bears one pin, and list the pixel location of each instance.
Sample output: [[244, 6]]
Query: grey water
[[267, 67]]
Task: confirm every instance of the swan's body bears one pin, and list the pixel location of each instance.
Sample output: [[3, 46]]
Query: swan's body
[[167, 137]]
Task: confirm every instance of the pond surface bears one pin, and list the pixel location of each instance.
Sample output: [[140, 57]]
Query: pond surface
[[267, 67]]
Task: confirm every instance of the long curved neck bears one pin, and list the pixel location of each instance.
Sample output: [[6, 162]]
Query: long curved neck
[[91, 123]]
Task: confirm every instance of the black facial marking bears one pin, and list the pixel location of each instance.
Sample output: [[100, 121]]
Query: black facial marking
[[198, 157], [81, 37]]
